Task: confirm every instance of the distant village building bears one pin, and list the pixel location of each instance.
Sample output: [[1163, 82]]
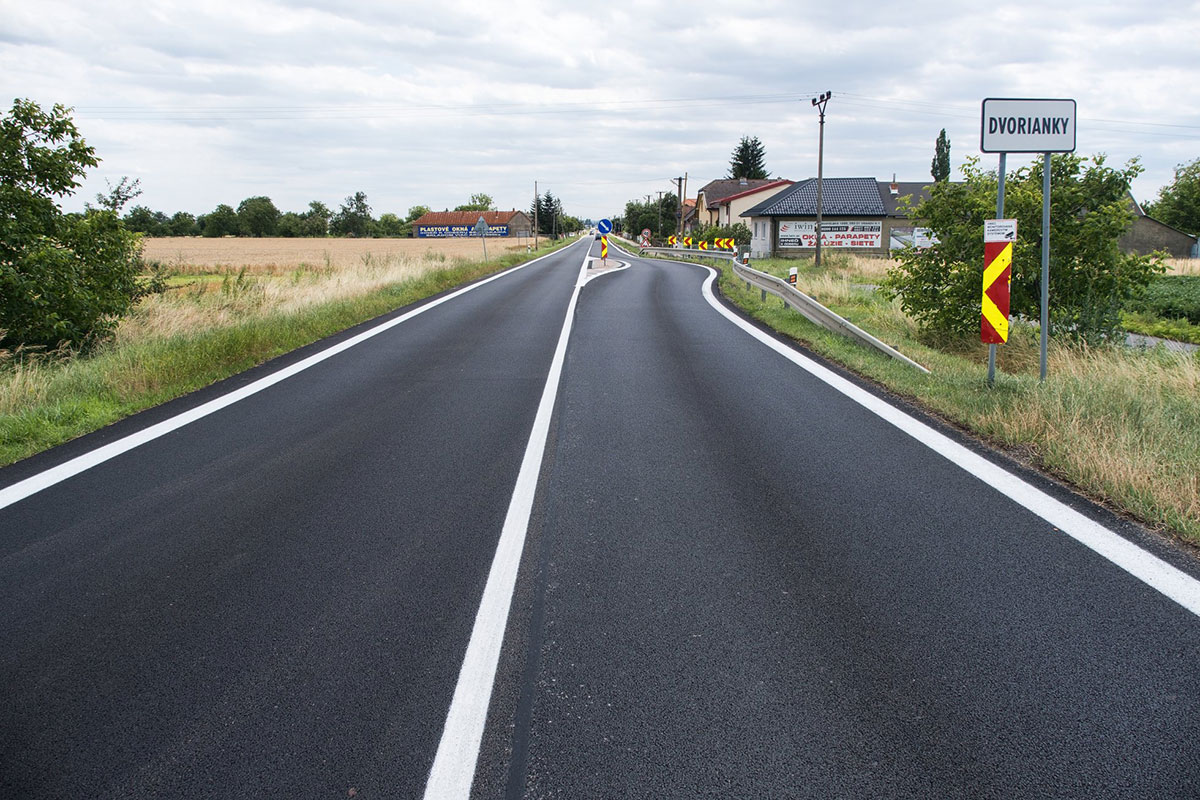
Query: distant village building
[[709, 197], [445, 224], [868, 216], [862, 215], [1147, 235], [728, 210]]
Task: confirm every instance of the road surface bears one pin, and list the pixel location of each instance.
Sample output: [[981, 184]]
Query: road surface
[[726, 578]]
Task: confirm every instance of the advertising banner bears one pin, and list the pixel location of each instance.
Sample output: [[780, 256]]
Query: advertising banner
[[855, 234], [448, 231]]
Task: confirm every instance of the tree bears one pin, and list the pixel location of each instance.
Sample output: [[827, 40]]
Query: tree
[[549, 214], [257, 216], [479, 202], [118, 196], [940, 167], [748, 160], [353, 218], [64, 279], [182, 224], [1090, 279], [390, 225], [221, 221], [1178, 205], [290, 225], [416, 212], [141, 219], [316, 220]]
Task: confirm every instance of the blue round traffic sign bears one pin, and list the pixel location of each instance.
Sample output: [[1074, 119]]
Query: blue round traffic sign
[[604, 226]]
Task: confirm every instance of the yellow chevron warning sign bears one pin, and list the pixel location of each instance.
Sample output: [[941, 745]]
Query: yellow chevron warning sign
[[997, 274]]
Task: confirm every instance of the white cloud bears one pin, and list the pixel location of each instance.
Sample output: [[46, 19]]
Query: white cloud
[[425, 104]]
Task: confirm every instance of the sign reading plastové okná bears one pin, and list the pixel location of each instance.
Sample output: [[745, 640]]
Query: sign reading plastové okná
[[1022, 125]]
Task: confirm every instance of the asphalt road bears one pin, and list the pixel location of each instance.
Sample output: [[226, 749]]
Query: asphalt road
[[736, 582]]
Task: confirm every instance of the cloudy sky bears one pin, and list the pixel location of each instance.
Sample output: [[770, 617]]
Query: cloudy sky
[[427, 103]]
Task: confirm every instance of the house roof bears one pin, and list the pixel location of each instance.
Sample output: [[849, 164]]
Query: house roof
[[467, 217], [716, 191], [918, 189], [777, 184], [839, 196]]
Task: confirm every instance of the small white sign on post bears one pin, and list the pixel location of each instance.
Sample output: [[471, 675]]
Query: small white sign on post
[[999, 230], [1019, 125]]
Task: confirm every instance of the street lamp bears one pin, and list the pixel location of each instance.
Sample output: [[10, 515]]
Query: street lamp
[[820, 102]]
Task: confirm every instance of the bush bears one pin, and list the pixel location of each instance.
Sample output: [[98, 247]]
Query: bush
[[1090, 279], [1170, 297], [737, 231], [65, 279]]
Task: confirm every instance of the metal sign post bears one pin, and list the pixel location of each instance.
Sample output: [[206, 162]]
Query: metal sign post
[[1026, 125], [481, 229]]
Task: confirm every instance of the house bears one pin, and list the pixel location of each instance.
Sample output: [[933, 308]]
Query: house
[[713, 192], [1147, 235], [860, 214], [729, 208], [689, 215], [443, 224]]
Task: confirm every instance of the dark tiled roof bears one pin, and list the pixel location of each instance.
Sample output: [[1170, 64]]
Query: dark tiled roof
[[918, 189], [775, 184], [715, 191], [839, 196]]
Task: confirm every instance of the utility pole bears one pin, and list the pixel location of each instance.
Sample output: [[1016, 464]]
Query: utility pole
[[679, 185], [820, 102], [685, 177], [658, 230], [536, 203]]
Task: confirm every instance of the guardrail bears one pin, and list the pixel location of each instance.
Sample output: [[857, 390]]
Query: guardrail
[[815, 312], [688, 251], [809, 308]]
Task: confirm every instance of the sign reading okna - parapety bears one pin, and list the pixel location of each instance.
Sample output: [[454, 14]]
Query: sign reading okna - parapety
[[1022, 125]]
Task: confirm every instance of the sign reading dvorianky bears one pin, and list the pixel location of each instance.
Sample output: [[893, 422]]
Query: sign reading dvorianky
[[1011, 125]]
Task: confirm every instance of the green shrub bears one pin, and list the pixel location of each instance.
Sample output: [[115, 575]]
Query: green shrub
[[1170, 297], [64, 278], [1091, 281]]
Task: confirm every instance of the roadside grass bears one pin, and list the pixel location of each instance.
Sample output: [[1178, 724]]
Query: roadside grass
[[205, 330], [1121, 425]]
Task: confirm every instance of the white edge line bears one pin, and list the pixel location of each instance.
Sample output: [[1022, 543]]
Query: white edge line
[[1146, 567], [43, 480], [453, 769]]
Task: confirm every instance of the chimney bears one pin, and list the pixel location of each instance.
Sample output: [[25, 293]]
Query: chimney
[[742, 181], [894, 188]]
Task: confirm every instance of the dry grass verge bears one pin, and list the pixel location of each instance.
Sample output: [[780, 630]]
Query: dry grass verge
[[217, 321]]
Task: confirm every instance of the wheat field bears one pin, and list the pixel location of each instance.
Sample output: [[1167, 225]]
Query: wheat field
[[195, 254]]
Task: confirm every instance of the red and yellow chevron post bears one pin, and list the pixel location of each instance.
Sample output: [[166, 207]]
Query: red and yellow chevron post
[[703, 245], [603, 247], [997, 274], [687, 241], [671, 240]]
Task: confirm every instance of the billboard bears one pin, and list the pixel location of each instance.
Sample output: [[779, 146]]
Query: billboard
[[447, 231], [854, 234]]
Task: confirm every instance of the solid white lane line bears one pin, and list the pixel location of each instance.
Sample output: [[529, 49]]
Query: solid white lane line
[[453, 768], [36, 483], [1146, 567]]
